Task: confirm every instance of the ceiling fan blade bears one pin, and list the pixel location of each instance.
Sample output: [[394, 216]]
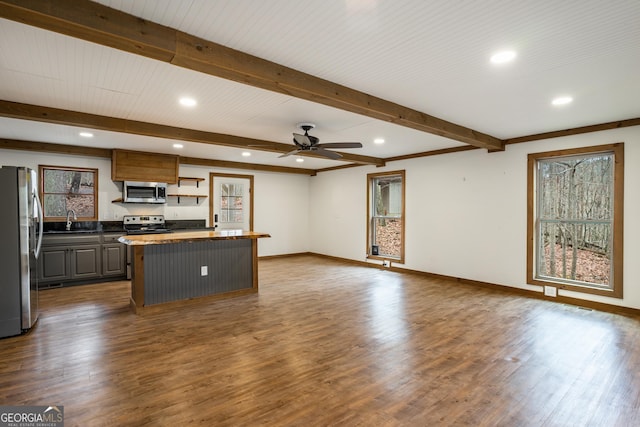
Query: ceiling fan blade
[[301, 140], [289, 153], [326, 153], [340, 145]]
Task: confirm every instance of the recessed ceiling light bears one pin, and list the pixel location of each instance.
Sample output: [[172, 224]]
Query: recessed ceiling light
[[503, 57], [86, 134], [378, 141], [188, 102], [246, 154], [299, 160], [562, 100], [178, 146]]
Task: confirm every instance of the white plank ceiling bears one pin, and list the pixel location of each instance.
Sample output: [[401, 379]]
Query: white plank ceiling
[[429, 55]]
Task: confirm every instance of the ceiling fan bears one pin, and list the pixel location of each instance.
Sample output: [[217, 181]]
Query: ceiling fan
[[307, 142]]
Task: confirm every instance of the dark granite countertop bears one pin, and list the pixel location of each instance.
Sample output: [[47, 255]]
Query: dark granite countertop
[[84, 227]]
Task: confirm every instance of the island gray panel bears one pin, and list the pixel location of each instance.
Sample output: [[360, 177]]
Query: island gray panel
[[173, 271]]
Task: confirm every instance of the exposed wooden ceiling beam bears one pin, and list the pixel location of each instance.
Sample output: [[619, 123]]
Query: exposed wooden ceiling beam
[[220, 61], [76, 150], [575, 131], [100, 24], [47, 147], [95, 23], [74, 118], [529, 138], [197, 161]]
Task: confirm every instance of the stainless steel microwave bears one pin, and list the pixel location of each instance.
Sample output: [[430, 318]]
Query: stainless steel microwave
[[144, 192]]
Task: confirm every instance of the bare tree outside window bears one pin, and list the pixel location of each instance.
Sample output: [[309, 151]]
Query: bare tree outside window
[[575, 223], [386, 215], [65, 189]]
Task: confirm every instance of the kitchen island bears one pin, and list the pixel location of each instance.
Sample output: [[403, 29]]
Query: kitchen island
[[173, 267]]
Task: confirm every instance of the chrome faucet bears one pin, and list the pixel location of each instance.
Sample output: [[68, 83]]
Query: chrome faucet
[[75, 218]]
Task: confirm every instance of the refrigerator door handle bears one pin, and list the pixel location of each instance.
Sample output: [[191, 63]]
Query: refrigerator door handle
[[40, 224]]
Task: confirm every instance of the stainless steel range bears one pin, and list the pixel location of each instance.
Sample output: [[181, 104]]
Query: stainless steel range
[[144, 224]]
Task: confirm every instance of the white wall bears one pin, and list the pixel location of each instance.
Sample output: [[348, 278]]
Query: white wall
[[282, 210], [281, 201], [466, 212], [338, 213]]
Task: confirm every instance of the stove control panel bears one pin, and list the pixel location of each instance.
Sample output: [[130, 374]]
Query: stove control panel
[[143, 220]]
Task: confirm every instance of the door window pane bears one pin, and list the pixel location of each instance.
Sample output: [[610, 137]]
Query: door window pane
[[231, 203]]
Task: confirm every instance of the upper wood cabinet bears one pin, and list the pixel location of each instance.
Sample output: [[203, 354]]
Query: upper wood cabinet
[[140, 166]]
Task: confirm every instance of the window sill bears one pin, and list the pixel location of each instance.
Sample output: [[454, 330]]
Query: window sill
[[385, 258], [612, 293]]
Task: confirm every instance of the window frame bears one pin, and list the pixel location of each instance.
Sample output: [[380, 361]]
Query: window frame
[[44, 168], [616, 279], [370, 179]]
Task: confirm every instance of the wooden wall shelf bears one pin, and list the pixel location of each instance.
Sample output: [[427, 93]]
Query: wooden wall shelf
[[186, 178], [196, 196], [182, 179]]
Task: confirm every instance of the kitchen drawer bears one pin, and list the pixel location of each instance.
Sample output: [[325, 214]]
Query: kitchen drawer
[[112, 237], [70, 239]]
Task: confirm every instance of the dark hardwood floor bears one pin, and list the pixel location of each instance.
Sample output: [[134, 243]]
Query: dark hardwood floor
[[326, 343]]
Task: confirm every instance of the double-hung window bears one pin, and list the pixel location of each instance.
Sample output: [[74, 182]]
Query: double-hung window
[[575, 200], [385, 200]]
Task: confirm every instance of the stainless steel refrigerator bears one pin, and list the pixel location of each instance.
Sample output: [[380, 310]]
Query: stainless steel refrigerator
[[20, 241]]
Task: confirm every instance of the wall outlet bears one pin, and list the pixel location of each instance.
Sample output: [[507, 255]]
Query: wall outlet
[[386, 263], [551, 291], [204, 270]]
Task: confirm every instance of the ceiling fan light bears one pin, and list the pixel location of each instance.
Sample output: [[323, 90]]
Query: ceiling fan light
[[308, 142]]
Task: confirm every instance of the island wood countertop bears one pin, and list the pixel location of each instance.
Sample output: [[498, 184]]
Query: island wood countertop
[[188, 236]]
